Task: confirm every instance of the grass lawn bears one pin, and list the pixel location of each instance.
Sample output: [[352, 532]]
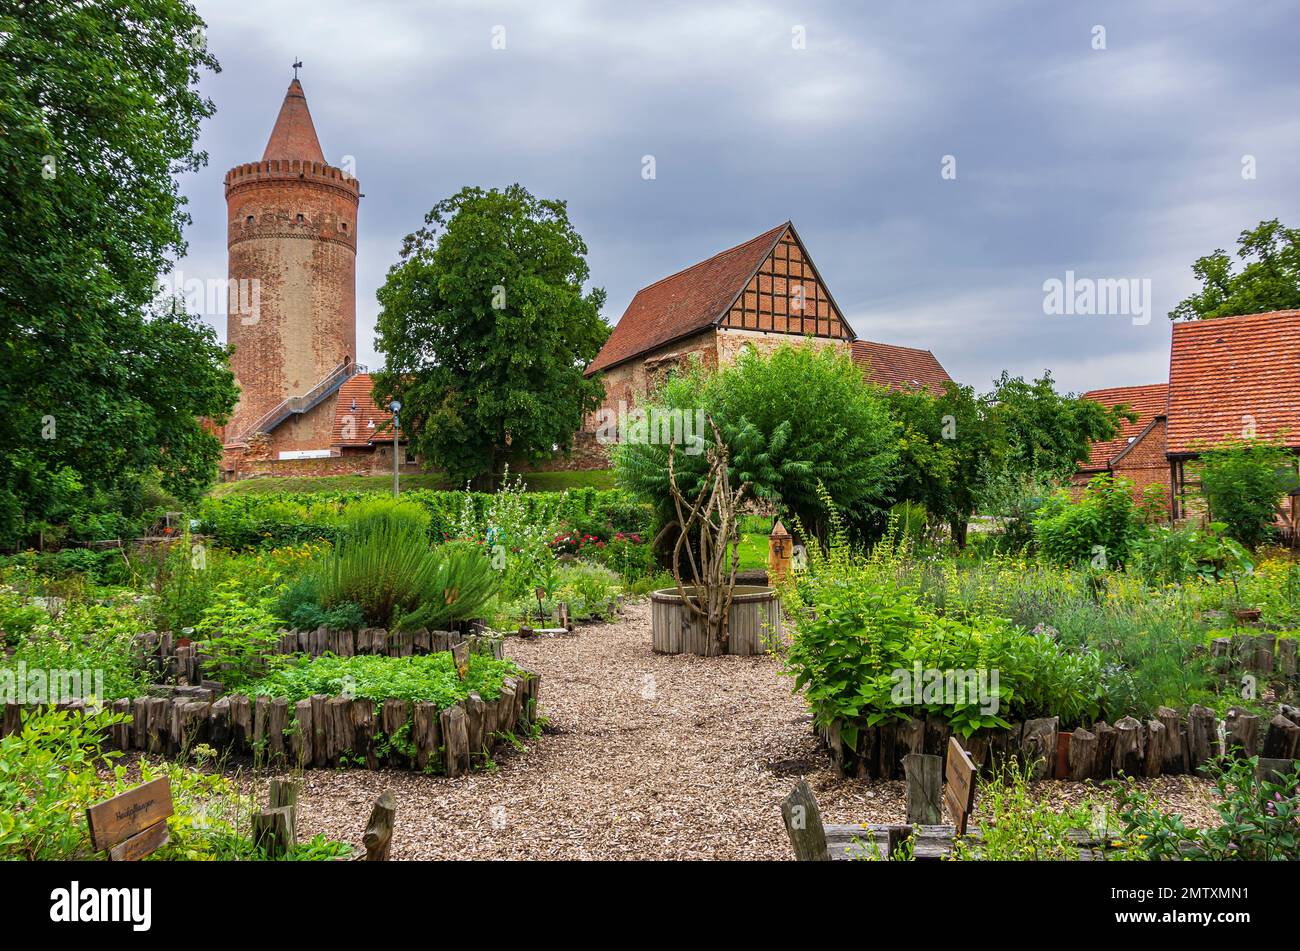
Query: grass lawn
[[536, 482]]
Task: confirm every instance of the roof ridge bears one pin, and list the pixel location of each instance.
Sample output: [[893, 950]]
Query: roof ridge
[[713, 257], [894, 346]]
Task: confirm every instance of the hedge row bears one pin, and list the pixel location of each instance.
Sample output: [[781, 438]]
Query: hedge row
[[286, 518]]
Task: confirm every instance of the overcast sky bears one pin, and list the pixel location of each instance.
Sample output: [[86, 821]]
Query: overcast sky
[[1118, 163]]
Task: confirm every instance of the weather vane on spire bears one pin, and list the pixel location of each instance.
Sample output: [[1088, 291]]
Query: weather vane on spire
[[296, 66]]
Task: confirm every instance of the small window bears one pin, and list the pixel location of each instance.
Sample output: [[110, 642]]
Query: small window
[[344, 225], [301, 218], [248, 220]]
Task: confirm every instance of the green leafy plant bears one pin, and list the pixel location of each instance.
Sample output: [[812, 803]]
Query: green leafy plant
[[1243, 480], [1097, 528], [240, 636], [1259, 819]]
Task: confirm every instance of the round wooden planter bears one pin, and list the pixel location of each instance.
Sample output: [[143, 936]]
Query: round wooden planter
[[754, 623]]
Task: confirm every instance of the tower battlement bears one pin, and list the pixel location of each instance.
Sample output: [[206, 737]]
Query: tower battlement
[[292, 170]]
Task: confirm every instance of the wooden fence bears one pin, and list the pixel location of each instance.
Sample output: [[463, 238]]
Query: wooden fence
[[319, 731], [1169, 743], [1256, 653]]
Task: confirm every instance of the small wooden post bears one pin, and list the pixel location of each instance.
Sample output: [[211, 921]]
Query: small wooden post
[[924, 774], [803, 823], [379, 830], [273, 831]]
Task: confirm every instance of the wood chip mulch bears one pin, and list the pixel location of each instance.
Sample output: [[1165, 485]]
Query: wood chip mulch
[[645, 756]]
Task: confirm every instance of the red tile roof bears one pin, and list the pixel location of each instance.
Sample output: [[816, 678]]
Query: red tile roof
[[686, 302], [358, 419], [1229, 372], [1147, 401], [900, 367]]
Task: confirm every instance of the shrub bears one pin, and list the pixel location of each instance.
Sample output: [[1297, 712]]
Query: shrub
[[1167, 555], [1243, 480], [86, 637], [792, 419], [241, 636], [855, 628], [400, 583], [1098, 528], [424, 678]]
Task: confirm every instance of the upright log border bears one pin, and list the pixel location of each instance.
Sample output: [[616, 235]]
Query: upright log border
[[320, 731], [1168, 743]]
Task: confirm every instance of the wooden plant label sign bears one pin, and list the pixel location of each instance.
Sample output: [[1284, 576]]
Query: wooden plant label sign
[[959, 785], [130, 814], [460, 657]]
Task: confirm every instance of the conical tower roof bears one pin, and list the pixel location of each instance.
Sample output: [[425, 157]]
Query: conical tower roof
[[294, 135]]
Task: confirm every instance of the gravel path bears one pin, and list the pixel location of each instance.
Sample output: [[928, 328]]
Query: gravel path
[[645, 757]]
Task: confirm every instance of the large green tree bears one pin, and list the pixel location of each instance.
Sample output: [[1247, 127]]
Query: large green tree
[[1269, 279], [955, 446], [486, 326], [99, 111], [797, 421]]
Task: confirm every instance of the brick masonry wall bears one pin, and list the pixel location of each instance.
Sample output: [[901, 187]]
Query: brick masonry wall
[[292, 229]]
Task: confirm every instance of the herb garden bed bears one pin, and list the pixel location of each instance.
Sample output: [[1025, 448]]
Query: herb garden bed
[[321, 730]]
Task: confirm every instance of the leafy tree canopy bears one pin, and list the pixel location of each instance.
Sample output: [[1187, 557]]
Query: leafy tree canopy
[[1269, 279], [955, 446], [793, 419], [486, 328], [98, 111]]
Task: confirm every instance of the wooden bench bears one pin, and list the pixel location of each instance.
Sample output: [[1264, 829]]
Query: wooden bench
[[133, 824]]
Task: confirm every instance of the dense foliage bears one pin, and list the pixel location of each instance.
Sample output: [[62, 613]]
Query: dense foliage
[[100, 403], [1270, 279], [960, 451], [1259, 819], [1098, 527], [486, 328], [1243, 481], [250, 521], [428, 678], [792, 419], [53, 769]]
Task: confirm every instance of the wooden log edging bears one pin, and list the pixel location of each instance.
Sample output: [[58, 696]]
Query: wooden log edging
[[319, 731], [1167, 744]]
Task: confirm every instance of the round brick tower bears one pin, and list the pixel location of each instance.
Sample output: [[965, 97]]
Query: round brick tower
[[292, 243]]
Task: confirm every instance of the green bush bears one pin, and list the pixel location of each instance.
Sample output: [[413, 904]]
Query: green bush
[[1167, 555], [856, 629], [240, 636], [400, 583], [1098, 528], [792, 419], [85, 636], [1243, 481], [273, 520]]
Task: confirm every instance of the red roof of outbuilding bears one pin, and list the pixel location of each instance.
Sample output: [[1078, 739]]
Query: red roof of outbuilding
[[1147, 401], [900, 367], [1232, 375], [358, 419], [686, 302]]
